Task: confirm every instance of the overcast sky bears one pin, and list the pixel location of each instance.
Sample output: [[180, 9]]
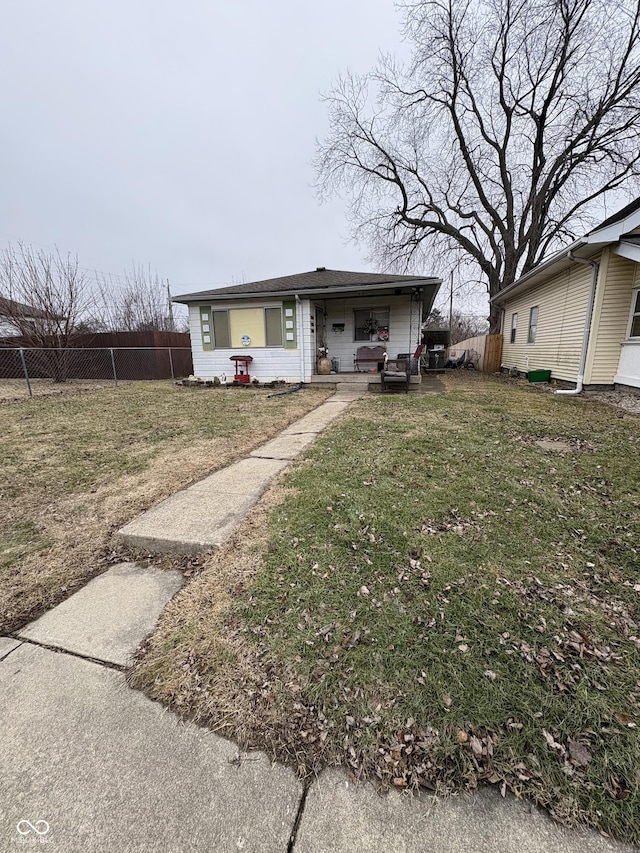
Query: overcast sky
[[178, 134]]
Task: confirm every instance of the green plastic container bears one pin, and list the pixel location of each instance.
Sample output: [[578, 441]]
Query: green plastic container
[[539, 375]]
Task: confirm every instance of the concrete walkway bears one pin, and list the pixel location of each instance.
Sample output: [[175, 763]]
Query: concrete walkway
[[89, 765], [203, 516]]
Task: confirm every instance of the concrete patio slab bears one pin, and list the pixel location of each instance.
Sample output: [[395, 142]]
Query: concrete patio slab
[[109, 617], [285, 446], [109, 770], [340, 817], [7, 645]]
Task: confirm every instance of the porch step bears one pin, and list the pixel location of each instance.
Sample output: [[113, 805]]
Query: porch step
[[355, 387]]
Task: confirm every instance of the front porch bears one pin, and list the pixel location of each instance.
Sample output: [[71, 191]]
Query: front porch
[[365, 381]]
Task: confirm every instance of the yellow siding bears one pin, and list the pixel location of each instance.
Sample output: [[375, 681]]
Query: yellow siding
[[611, 317], [562, 305]]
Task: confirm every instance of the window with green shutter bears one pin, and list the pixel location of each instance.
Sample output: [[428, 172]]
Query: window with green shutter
[[214, 328]]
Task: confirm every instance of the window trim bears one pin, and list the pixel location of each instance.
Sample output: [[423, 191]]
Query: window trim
[[208, 337], [533, 327], [373, 337], [514, 327], [633, 314]]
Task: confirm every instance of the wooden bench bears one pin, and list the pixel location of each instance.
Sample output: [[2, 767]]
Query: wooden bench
[[369, 356]]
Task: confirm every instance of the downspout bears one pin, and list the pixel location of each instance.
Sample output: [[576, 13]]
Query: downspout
[[595, 266], [300, 328]]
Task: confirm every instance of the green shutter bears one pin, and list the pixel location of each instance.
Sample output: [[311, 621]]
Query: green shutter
[[290, 325], [206, 327]]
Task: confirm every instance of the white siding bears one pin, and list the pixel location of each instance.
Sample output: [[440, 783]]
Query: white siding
[[562, 305], [402, 315], [294, 365], [269, 363], [611, 317]]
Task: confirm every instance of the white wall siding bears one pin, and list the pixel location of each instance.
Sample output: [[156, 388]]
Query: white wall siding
[[269, 363], [342, 345], [562, 305], [611, 318]]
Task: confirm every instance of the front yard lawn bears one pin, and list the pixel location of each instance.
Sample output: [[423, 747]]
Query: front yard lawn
[[444, 591], [78, 465]]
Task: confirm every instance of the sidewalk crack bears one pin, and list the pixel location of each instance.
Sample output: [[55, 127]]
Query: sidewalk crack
[[296, 824], [59, 650]]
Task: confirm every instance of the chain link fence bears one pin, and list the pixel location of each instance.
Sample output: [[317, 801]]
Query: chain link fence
[[32, 371]]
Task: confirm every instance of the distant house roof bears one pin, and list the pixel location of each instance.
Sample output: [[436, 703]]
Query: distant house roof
[[9, 308], [318, 281]]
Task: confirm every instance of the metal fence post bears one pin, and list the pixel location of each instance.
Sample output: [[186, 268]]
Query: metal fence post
[[113, 365], [26, 373], [171, 363]]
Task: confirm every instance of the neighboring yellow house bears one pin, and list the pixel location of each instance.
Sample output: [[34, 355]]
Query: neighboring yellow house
[[577, 314]]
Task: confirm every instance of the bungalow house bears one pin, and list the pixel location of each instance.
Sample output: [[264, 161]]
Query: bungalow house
[[283, 323], [577, 313]]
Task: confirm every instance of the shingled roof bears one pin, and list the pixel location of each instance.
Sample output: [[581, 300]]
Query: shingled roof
[[319, 280]]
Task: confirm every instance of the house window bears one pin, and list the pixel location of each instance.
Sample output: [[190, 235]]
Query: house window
[[533, 325], [514, 327], [634, 325], [221, 329], [273, 326], [371, 324]]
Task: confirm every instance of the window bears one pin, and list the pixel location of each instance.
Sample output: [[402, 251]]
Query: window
[[634, 326], [273, 326], [221, 329], [514, 326], [533, 325], [371, 324]]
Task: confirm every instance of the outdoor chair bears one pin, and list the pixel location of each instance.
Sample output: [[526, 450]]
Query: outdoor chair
[[395, 375]]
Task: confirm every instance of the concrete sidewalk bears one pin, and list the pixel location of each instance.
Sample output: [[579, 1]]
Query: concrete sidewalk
[[88, 765], [203, 516]]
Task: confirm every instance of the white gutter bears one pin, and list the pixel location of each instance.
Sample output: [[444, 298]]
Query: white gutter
[[595, 266]]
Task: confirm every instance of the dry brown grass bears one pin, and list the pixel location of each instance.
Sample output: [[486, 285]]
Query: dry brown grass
[[79, 465]]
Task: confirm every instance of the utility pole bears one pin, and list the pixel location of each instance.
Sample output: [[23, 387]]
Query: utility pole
[[450, 305], [172, 324]]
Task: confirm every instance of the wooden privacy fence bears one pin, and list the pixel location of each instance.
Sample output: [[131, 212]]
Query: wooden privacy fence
[[485, 351]]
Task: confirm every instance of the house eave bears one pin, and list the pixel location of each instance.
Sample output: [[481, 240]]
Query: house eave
[[552, 266], [405, 288]]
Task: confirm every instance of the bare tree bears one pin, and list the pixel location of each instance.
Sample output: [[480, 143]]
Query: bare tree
[[512, 119], [461, 324], [137, 301], [45, 296]]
